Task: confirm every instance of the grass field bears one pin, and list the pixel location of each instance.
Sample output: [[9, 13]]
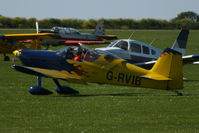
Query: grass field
[[101, 108]]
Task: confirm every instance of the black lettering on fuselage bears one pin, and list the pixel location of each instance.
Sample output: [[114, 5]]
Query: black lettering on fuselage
[[120, 76], [133, 79], [124, 78], [128, 78], [138, 81], [109, 75]]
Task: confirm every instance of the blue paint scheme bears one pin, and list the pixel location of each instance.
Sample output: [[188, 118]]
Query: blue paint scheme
[[38, 81], [2, 37], [55, 60], [182, 38], [38, 90], [35, 90]]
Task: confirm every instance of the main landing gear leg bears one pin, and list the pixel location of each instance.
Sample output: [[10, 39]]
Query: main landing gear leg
[[61, 89], [38, 90]]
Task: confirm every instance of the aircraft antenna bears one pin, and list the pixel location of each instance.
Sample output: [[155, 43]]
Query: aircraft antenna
[[131, 35], [153, 41]]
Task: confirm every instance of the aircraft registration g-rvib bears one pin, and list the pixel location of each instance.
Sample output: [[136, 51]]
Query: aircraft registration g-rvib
[[100, 67]]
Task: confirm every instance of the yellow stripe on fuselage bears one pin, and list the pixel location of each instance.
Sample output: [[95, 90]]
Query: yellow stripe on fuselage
[[30, 36]]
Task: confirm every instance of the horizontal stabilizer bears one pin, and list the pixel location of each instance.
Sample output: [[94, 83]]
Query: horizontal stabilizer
[[155, 77], [188, 59]]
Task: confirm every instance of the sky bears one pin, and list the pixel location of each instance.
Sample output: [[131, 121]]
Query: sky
[[95, 9]]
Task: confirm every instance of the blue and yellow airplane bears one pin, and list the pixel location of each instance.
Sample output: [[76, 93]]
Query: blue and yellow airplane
[[100, 67]]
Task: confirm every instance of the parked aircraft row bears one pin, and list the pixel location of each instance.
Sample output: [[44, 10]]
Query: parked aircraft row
[[121, 63], [56, 36]]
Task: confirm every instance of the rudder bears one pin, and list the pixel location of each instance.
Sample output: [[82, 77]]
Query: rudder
[[181, 42], [169, 64], [99, 28]]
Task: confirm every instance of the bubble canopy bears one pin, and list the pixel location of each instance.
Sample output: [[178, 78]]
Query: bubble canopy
[[90, 55]]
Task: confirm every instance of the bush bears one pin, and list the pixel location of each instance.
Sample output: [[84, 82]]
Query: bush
[[182, 20]]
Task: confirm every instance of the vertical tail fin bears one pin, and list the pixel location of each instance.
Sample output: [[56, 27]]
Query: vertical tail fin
[[99, 28], [169, 64], [181, 42]]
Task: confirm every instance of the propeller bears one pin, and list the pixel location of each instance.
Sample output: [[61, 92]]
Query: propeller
[[37, 26]]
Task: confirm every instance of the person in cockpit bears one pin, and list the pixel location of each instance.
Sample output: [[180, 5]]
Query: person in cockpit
[[79, 55]]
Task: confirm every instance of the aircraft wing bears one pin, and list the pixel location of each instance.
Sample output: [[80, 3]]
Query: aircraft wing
[[108, 37], [146, 65], [76, 43], [28, 36], [55, 74], [188, 59]]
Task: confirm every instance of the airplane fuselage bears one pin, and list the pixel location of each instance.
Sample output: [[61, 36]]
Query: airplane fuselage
[[64, 37], [103, 69], [133, 51]]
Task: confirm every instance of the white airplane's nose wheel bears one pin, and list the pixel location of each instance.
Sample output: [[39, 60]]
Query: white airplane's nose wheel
[[62, 89], [38, 90]]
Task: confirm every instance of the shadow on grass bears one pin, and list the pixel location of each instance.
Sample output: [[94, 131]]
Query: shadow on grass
[[121, 94], [191, 80]]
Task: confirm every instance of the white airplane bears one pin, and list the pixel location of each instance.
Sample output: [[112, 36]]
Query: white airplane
[[144, 55]]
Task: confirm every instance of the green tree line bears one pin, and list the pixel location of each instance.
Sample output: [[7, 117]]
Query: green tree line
[[187, 19]]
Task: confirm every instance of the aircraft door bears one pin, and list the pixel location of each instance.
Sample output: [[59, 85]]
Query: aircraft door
[[135, 52], [145, 50], [135, 48], [123, 45], [155, 54]]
